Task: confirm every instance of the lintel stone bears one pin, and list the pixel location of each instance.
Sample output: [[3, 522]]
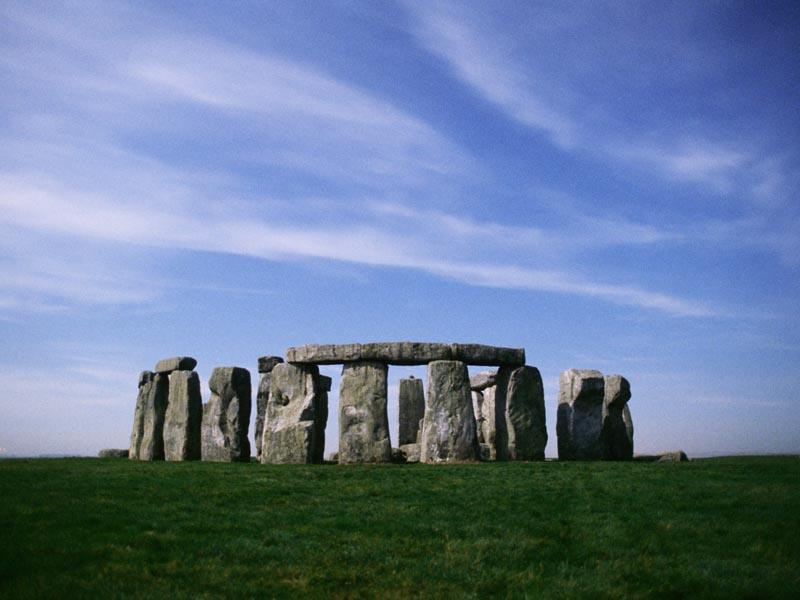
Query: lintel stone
[[406, 353]]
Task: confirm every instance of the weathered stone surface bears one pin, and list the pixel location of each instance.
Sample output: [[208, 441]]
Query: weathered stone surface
[[113, 453], [262, 399], [579, 423], [267, 363], [405, 353], [485, 452], [411, 409], [477, 410], [177, 363], [489, 408], [677, 456], [334, 457], [184, 417], [525, 415], [147, 437], [363, 417], [448, 428], [296, 416], [321, 418], [398, 456], [483, 380], [617, 431], [226, 416], [411, 452]]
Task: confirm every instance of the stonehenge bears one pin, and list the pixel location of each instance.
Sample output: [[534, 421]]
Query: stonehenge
[[495, 415], [593, 419]]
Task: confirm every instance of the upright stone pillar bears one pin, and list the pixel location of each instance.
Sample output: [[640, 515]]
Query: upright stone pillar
[[580, 415], [363, 417], [265, 366], [147, 438], [226, 416], [296, 416], [617, 424], [412, 409], [448, 427], [184, 416], [525, 415], [495, 430]]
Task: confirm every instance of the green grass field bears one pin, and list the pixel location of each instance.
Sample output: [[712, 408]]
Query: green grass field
[[96, 528]]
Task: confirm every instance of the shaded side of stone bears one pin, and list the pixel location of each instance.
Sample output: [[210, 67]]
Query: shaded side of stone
[[448, 427], [267, 363], [151, 446], [579, 422], [262, 398], [525, 415], [177, 363], [363, 416], [295, 418], [226, 416], [320, 417], [617, 432], [410, 452], [411, 409], [184, 417], [137, 433]]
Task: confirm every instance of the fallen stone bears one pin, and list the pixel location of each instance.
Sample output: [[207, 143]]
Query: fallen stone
[[113, 453], [485, 452], [579, 422], [226, 416], [184, 417], [363, 416], [147, 438], [677, 456], [333, 457], [411, 409], [405, 353], [448, 427], [411, 452], [525, 415], [483, 380], [267, 363], [178, 363], [398, 456], [617, 434], [296, 417]]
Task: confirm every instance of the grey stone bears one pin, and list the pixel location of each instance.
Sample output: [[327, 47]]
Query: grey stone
[[483, 380], [617, 431], [677, 456], [184, 417], [405, 353], [147, 438], [262, 399], [579, 422], [113, 453], [334, 457], [226, 416], [321, 420], [448, 428], [398, 456], [485, 451], [525, 415], [411, 409], [477, 410], [177, 363], [493, 416], [325, 383], [410, 452], [267, 363], [363, 417], [296, 416]]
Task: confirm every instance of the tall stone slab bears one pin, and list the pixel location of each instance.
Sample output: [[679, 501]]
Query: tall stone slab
[[579, 424], [184, 417], [265, 366], [226, 416], [495, 430], [363, 417], [147, 437], [295, 419], [448, 427], [525, 414], [617, 431], [323, 386], [411, 409]]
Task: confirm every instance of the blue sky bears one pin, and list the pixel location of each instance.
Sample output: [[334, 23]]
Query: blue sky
[[610, 185]]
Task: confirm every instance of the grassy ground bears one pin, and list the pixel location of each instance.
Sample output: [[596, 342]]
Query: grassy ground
[[116, 528]]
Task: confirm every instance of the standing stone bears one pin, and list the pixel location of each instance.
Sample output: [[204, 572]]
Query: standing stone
[[412, 409], [617, 424], [184, 416], [477, 410], [579, 424], [525, 415], [226, 416], [363, 417], [448, 427], [147, 440], [265, 366], [493, 414], [295, 419], [323, 386]]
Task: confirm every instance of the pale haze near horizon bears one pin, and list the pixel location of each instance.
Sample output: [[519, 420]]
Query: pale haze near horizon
[[608, 185]]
